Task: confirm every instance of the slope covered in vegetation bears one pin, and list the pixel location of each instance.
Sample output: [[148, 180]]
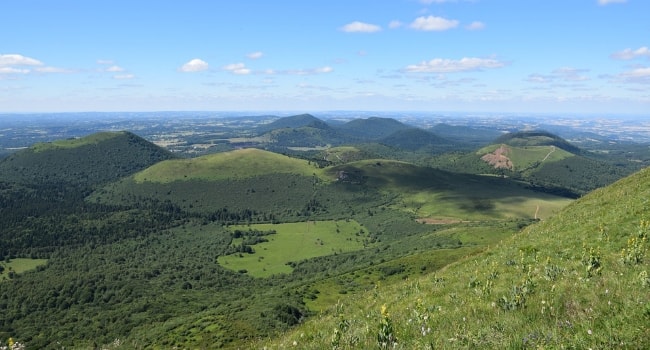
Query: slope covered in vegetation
[[87, 161], [577, 280]]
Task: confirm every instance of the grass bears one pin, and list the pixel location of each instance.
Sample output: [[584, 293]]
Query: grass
[[576, 280], [75, 142], [239, 164], [294, 242], [20, 265], [528, 156]]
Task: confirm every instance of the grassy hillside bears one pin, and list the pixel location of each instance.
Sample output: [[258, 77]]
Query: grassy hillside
[[239, 164], [577, 280], [434, 194]]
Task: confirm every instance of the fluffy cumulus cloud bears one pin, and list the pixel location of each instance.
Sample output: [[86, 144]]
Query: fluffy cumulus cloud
[[17, 64], [629, 54], [360, 27], [441, 65], [433, 23], [607, 2], [18, 60], [195, 65], [237, 68]]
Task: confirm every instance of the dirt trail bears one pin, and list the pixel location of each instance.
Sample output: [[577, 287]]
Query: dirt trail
[[549, 153]]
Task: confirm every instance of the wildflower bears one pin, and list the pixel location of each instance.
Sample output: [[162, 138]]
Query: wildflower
[[589, 331], [295, 343]]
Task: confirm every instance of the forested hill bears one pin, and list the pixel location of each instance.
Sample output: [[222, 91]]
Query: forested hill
[[537, 138], [373, 128], [90, 160], [296, 121]]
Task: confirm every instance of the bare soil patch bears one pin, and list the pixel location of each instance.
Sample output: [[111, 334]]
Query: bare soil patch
[[499, 158]]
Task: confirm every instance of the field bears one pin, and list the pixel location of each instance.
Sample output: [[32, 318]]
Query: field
[[19, 265], [294, 242]]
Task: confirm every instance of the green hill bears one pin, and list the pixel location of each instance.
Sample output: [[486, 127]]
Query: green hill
[[87, 161], [238, 164], [415, 139], [296, 121], [577, 280], [372, 128], [536, 138], [465, 134], [543, 160]]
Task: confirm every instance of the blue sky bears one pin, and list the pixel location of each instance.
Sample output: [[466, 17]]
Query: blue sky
[[528, 56]]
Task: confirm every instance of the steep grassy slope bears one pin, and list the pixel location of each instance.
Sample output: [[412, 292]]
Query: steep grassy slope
[[90, 160], [577, 280]]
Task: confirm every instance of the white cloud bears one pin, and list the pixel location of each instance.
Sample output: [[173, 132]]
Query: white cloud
[[237, 68], [441, 65], [476, 25], [18, 60], [12, 70], [310, 71], [629, 54], [360, 27], [124, 76], [255, 55], [607, 2], [115, 69], [195, 65], [395, 24], [433, 23], [571, 74], [566, 74], [637, 75], [52, 70], [326, 69]]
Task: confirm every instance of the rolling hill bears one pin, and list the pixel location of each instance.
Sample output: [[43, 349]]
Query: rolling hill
[[373, 128], [577, 280], [415, 139], [218, 250], [543, 160], [87, 161]]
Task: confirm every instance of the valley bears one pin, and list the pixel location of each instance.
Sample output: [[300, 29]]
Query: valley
[[263, 231]]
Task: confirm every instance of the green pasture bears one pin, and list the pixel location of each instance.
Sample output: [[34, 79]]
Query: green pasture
[[294, 242], [238, 164], [19, 265], [527, 156], [524, 157]]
